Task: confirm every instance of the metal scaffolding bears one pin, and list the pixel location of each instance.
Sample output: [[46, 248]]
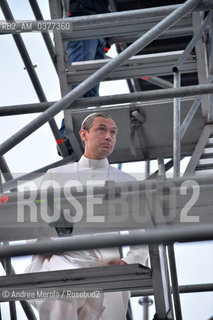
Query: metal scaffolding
[[165, 116]]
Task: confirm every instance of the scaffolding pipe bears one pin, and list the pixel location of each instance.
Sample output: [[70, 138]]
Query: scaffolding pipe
[[98, 76], [28, 310], [6, 173], [5, 169], [23, 52], [145, 302], [46, 36], [165, 35], [32, 74], [190, 116], [159, 81], [192, 43], [168, 166], [192, 112], [211, 47], [211, 65], [205, 287], [1, 186], [94, 19], [161, 168], [174, 278], [108, 240], [172, 265], [8, 270], [176, 159], [130, 82], [147, 169], [111, 100], [25, 305], [12, 305], [176, 128]]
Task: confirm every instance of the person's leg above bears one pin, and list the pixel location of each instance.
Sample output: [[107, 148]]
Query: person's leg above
[[85, 50]]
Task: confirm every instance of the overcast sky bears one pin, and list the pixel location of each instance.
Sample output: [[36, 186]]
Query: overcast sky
[[194, 261]]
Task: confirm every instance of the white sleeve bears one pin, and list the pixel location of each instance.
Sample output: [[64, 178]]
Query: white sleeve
[[137, 254]]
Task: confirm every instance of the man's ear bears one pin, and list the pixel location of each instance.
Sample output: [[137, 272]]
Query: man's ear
[[82, 134]]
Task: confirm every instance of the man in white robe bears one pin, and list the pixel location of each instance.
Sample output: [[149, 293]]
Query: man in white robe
[[98, 134]]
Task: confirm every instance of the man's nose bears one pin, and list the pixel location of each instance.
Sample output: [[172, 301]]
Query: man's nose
[[108, 135]]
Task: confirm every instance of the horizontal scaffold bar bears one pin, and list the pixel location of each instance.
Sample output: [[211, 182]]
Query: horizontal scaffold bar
[[118, 99], [160, 235], [202, 287]]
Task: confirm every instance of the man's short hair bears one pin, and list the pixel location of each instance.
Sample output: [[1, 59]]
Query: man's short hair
[[89, 120]]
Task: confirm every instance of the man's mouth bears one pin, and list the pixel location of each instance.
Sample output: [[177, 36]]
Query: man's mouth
[[107, 145]]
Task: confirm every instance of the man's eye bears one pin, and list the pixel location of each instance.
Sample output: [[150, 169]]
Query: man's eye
[[113, 133], [101, 129]]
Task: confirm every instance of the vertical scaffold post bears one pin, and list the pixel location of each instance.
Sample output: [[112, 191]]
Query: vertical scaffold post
[[176, 128], [210, 51], [177, 158], [161, 283]]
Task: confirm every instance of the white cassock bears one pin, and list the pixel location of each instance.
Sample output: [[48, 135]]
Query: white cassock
[[108, 306]]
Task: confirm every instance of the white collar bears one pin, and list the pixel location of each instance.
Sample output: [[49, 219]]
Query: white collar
[[91, 163]]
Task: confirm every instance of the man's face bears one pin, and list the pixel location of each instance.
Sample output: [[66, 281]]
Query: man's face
[[101, 138]]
